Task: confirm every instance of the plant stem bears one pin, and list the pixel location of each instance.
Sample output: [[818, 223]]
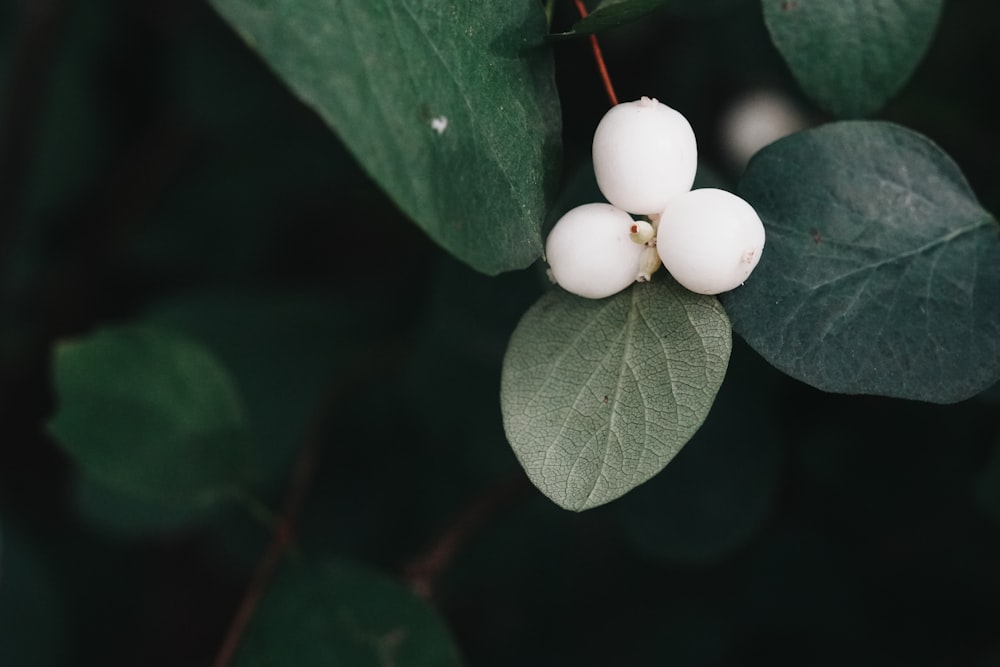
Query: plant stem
[[423, 572], [282, 538], [598, 57]]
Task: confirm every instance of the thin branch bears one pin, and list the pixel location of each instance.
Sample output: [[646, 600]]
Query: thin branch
[[598, 57], [282, 538], [424, 572], [301, 479]]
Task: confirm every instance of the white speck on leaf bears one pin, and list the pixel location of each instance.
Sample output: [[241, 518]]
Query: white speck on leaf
[[439, 124]]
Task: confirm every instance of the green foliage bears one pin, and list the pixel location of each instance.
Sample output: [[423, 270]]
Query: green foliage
[[851, 56], [151, 413], [599, 395], [286, 353], [881, 273], [610, 14], [450, 106], [614, 13], [287, 333], [335, 613]]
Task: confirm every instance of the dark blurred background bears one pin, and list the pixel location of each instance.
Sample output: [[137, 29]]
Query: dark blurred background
[[153, 167]]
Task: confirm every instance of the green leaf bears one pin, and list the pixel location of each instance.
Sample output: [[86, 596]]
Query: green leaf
[[343, 614], [612, 14], [881, 273], [851, 56], [449, 105], [151, 413], [599, 395]]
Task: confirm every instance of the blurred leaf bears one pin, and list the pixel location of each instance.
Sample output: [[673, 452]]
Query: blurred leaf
[[122, 514], [342, 614], [151, 413], [719, 489], [851, 56], [286, 351], [881, 273], [599, 395], [453, 111]]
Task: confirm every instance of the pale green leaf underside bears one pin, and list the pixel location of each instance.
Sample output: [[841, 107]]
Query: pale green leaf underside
[[599, 395], [450, 105], [851, 56], [881, 273]]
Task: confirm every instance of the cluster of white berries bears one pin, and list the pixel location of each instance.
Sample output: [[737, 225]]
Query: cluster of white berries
[[645, 157]]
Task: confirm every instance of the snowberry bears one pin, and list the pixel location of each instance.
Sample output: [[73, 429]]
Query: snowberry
[[590, 252], [709, 240], [644, 154]]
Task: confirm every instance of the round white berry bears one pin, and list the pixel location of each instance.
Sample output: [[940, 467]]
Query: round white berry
[[644, 154], [756, 120], [590, 252], [709, 240]]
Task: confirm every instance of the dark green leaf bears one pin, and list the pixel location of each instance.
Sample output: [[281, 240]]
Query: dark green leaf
[[612, 14], [451, 106], [151, 413], [599, 395], [850, 56], [340, 614], [881, 273]]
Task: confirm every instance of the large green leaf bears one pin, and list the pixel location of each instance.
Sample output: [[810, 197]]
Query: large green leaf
[[599, 395], [151, 413], [342, 614], [450, 105], [881, 273], [850, 56]]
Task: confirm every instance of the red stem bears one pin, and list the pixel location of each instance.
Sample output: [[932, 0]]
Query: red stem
[[598, 57]]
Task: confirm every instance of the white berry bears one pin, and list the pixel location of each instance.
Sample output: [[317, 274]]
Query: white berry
[[590, 252], [644, 154], [709, 240]]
